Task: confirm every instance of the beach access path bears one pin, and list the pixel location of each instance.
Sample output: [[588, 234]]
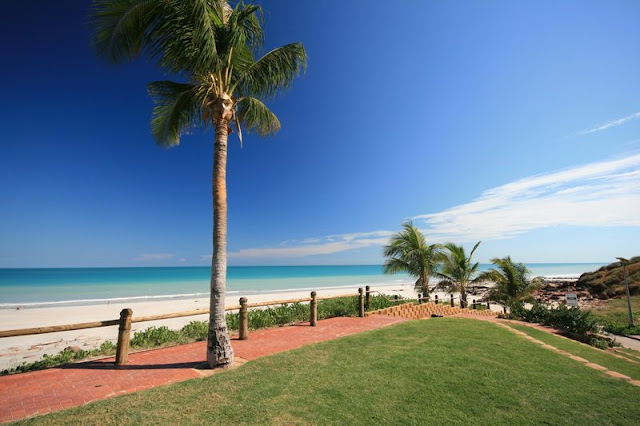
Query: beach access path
[[40, 392]]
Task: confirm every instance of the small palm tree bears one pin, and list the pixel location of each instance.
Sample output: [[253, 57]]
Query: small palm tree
[[409, 252], [456, 272], [512, 280], [212, 48]]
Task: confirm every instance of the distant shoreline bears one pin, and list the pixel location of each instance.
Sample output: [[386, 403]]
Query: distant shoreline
[[65, 287]]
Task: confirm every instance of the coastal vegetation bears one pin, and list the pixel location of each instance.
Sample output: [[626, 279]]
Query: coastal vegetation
[[409, 252], [512, 281], [576, 323], [475, 373], [456, 272], [614, 315], [213, 48], [155, 337]]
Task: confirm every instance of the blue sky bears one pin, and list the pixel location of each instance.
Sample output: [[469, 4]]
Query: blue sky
[[517, 123]]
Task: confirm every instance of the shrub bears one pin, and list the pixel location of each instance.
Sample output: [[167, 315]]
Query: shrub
[[622, 329], [154, 337], [573, 321], [195, 330]]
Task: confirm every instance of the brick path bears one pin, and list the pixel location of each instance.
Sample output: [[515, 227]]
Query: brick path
[[41, 392]]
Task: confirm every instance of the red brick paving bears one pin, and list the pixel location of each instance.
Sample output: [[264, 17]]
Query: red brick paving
[[40, 392]]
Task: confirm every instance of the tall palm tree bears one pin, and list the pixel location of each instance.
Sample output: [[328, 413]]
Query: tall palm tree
[[212, 48], [512, 280], [456, 272], [409, 252]]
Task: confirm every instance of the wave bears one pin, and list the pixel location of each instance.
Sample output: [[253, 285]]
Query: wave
[[78, 302]]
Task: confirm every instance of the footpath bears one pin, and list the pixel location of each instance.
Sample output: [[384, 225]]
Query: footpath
[[40, 392]]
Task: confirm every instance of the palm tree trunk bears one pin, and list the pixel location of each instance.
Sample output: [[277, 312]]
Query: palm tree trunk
[[425, 287], [463, 298], [219, 350]]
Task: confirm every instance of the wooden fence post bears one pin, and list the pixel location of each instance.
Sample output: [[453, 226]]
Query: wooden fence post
[[436, 299], [244, 319], [361, 302], [451, 300], [367, 302], [124, 335], [488, 306], [313, 320]]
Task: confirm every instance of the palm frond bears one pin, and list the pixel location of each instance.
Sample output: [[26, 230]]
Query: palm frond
[[178, 34], [394, 266], [178, 106], [256, 117], [273, 72], [121, 27]]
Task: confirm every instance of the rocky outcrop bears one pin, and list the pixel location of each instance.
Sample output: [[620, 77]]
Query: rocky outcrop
[[608, 281]]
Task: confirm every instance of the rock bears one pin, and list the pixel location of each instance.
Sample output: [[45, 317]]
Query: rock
[[608, 281]]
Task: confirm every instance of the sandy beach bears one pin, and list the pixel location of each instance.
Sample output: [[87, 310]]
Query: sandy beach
[[17, 350]]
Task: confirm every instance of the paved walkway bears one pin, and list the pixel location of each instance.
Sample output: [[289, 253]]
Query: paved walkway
[[41, 392]]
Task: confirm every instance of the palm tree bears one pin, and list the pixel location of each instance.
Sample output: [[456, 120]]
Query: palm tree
[[212, 48], [512, 280], [456, 272], [409, 252]]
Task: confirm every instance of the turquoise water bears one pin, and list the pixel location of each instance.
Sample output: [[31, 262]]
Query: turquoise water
[[42, 286]]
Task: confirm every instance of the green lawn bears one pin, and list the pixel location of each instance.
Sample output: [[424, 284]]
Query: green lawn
[[615, 314], [590, 353], [438, 371]]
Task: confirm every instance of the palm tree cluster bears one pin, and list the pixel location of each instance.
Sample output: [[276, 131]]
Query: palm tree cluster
[[212, 48], [409, 252]]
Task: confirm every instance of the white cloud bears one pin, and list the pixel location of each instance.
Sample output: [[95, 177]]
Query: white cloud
[[599, 194], [150, 257], [612, 123], [317, 245]]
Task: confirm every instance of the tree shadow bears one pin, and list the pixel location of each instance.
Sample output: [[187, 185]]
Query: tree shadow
[[110, 365]]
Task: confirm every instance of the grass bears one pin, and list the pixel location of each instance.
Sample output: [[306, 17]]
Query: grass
[[615, 317], [156, 337], [439, 371], [598, 356]]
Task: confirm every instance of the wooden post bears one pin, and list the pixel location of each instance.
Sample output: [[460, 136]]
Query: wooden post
[[474, 303], [124, 335], [451, 300], [504, 308], [436, 299], [488, 306], [367, 302], [244, 319], [419, 298], [313, 320], [361, 302]]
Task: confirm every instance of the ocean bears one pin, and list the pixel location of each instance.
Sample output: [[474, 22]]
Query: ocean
[[72, 286]]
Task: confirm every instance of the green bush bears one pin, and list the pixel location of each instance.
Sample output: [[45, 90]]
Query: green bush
[[575, 322], [572, 320], [154, 337], [622, 329], [195, 330]]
